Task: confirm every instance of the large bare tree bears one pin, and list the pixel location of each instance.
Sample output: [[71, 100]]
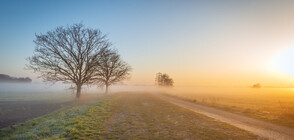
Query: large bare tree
[[110, 68], [68, 54]]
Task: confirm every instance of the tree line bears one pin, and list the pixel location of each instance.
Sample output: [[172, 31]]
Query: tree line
[[8, 79], [79, 55]]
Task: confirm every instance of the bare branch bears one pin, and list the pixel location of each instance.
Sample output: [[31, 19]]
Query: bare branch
[[110, 68]]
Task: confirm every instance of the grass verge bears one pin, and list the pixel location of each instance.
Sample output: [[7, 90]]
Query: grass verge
[[74, 122]]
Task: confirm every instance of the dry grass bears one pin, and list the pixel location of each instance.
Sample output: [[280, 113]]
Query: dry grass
[[274, 105]]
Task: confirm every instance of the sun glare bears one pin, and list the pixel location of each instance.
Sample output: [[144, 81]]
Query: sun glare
[[283, 62]]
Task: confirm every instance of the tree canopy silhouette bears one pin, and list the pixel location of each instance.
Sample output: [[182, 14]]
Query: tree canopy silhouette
[[110, 68], [163, 80], [8, 79], [257, 85], [68, 54]]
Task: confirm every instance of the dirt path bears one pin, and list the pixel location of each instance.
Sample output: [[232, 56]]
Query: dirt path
[[261, 128]]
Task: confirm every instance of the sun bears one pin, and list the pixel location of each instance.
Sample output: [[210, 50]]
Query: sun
[[284, 62]]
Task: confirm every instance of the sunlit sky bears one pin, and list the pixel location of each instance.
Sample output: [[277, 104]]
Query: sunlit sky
[[198, 43]]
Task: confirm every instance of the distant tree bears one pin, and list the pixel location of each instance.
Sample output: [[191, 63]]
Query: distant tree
[[8, 79], [257, 85], [68, 54], [110, 68], [164, 80]]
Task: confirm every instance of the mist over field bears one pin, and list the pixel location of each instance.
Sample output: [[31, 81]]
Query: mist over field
[[30, 87], [11, 91]]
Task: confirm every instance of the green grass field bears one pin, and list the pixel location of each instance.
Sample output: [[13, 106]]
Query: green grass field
[[124, 116]]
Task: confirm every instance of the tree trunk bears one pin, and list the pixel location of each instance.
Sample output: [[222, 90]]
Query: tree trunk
[[106, 88], [79, 88]]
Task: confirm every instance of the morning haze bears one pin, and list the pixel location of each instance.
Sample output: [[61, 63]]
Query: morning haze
[[146, 69]]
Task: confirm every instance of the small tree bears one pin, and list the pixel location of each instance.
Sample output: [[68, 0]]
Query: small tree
[[110, 68], [68, 55], [257, 85], [164, 80]]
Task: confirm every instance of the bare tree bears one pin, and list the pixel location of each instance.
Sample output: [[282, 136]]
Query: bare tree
[[110, 68], [163, 79], [68, 54]]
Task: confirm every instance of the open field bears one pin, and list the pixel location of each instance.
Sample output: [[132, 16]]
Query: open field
[[19, 111], [271, 104], [258, 127], [125, 116], [17, 108]]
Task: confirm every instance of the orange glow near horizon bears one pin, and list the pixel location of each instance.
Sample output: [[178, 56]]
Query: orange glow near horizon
[[272, 69]]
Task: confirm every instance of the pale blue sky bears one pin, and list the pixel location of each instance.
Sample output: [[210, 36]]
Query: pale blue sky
[[176, 37]]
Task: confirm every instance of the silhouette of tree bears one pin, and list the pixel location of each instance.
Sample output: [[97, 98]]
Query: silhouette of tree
[[163, 79], [110, 68], [8, 79], [68, 54], [257, 85]]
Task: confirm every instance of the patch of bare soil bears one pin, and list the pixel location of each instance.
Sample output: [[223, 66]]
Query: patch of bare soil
[[13, 112]]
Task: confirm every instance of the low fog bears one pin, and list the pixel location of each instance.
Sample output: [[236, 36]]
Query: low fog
[[40, 88]]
